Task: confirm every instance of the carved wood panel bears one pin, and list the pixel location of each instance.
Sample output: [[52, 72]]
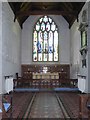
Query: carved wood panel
[[63, 70]]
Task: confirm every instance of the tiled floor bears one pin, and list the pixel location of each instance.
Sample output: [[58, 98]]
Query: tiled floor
[[46, 106]]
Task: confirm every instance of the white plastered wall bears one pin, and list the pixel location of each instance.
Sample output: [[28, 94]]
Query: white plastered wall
[[0, 47], [64, 39], [75, 56], [11, 44]]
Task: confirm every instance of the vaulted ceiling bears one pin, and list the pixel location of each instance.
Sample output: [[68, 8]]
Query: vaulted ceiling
[[69, 10]]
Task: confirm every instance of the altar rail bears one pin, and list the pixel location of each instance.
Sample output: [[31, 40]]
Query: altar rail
[[44, 83]]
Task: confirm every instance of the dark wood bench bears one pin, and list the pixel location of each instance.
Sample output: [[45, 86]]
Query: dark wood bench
[[83, 108], [7, 101]]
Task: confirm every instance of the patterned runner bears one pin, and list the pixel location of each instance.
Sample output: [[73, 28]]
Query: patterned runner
[[46, 106]]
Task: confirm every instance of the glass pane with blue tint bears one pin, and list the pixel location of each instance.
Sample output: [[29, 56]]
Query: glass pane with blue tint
[[55, 46], [40, 46], [50, 41], [35, 46], [45, 45], [45, 35], [45, 19], [45, 42]]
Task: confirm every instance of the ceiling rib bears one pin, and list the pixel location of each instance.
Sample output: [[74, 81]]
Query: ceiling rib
[[43, 12]]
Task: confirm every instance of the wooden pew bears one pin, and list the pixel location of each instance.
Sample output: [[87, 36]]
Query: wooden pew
[[7, 111], [83, 110]]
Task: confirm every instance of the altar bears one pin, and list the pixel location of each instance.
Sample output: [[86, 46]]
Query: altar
[[47, 75]]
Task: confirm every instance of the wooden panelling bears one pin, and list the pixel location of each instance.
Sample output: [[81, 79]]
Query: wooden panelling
[[56, 76], [63, 70]]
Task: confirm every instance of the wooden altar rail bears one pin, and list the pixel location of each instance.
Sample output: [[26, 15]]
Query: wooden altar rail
[[44, 83]]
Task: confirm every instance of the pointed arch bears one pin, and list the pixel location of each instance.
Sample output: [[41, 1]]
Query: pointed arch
[[45, 40]]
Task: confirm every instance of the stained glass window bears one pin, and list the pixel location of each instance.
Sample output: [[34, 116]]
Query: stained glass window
[[83, 38], [45, 40]]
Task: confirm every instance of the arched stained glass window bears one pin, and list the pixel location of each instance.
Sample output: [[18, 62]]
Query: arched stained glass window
[[45, 40]]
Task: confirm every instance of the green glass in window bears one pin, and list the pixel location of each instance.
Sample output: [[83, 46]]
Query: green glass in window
[[83, 38]]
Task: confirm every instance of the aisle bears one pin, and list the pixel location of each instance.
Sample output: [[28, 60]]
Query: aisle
[[46, 106]]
